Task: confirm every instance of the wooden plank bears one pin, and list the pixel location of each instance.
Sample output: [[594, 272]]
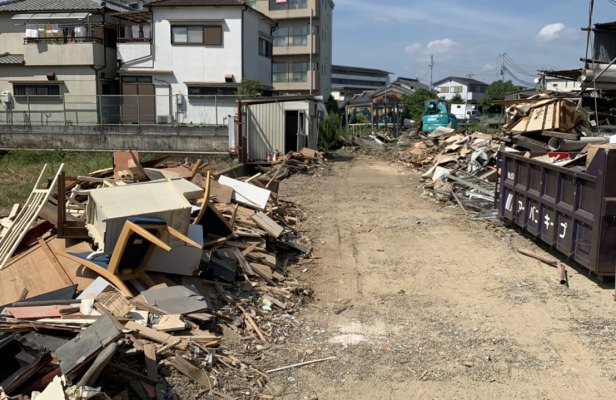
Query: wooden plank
[[32, 270], [170, 323], [153, 334], [220, 193], [250, 322], [55, 262], [31, 209], [74, 354], [561, 135], [267, 224], [36, 312], [151, 366], [194, 373]]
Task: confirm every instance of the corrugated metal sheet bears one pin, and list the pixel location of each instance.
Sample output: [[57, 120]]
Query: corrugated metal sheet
[[264, 129], [264, 126]]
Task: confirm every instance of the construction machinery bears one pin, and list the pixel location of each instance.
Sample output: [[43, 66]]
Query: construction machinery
[[435, 115]]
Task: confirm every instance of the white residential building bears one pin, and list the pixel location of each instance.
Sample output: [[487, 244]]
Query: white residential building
[[471, 90], [180, 58]]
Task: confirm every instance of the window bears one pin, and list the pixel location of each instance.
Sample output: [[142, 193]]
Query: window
[[136, 79], [445, 89], [209, 35], [299, 36], [265, 48], [292, 36], [299, 72], [280, 72], [287, 4], [456, 89], [281, 37], [212, 90], [36, 89]]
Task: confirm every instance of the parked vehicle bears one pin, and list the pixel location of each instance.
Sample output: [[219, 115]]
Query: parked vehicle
[[437, 115], [466, 112]]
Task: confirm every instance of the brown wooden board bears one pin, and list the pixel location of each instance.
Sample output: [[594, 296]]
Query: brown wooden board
[[267, 224], [32, 270]]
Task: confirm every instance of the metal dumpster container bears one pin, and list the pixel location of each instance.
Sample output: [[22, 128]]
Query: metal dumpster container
[[570, 210]]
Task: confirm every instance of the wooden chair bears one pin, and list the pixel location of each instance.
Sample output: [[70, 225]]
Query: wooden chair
[[129, 259]]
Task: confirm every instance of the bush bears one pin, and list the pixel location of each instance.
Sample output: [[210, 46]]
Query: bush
[[330, 131]]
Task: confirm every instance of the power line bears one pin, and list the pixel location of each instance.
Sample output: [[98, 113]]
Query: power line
[[515, 78], [516, 67]]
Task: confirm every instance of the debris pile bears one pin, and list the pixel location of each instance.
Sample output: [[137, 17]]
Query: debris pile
[[126, 281], [459, 166], [546, 123]]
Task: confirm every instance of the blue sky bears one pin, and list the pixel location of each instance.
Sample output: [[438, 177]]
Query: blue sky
[[465, 37]]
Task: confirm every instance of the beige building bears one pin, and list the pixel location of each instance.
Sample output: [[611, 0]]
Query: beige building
[[302, 47], [55, 61]]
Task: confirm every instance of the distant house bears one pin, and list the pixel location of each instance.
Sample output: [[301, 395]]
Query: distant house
[[562, 81], [471, 90], [175, 56], [55, 58]]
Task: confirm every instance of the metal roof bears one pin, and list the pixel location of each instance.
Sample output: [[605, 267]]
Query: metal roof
[[175, 3], [60, 5], [48, 16], [7, 58], [464, 81]]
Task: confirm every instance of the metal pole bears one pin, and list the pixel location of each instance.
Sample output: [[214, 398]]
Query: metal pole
[[138, 111], [310, 35], [29, 116], [64, 109], [431, 69], [99, 104]]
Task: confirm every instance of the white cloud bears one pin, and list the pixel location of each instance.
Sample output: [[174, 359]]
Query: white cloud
[[442, 49], [442, 46], [557, 32], [413, 48]]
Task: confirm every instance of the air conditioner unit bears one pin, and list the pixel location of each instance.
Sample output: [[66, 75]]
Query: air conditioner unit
[[163, 119]]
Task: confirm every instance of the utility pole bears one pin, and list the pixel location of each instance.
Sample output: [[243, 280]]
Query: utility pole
[[431, 69], [502, 71]]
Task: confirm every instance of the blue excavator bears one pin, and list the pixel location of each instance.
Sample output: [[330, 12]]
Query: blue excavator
[[435, 115]]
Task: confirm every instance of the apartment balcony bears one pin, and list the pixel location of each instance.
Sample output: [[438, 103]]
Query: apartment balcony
[[135, 53], [311, 46], [298, 85], [64, 51]]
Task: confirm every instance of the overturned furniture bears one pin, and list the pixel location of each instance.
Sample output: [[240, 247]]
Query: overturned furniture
[[570, 208], [132, 252]]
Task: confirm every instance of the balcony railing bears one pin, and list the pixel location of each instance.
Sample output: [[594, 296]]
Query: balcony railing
[[134, 40], [64, 40]]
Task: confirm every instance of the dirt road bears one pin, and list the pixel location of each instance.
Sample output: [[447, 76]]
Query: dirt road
[[416, 302]]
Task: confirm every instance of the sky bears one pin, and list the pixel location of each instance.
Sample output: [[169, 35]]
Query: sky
[[464, 36]]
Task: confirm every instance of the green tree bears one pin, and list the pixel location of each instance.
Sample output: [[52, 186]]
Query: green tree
[[332, 105], [457, 99], [330, 130], [249, 88], [414, 103], [497, 91]]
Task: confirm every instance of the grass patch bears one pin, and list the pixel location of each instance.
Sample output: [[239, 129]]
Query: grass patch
[[19, 169]]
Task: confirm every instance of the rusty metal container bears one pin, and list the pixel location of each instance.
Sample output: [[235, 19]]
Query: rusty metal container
[[570, 209]]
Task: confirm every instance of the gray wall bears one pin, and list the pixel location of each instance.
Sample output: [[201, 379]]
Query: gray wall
[[167, 139]]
